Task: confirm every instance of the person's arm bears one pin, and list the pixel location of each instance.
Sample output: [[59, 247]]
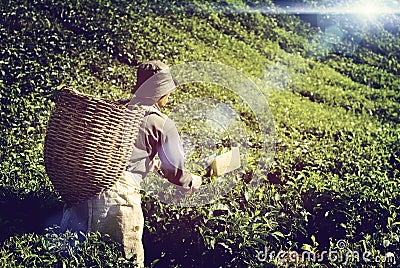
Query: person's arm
[[171, 154]]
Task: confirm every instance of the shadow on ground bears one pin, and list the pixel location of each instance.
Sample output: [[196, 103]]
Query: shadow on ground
[[330, 213], [23, 213]]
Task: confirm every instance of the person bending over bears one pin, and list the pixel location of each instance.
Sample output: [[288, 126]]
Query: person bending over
[[117, 211]]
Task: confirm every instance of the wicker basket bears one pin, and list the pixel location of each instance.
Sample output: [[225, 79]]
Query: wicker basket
[[88, 143]]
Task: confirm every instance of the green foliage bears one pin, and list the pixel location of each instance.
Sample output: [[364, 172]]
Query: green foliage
[[54, 249], [336, 169]]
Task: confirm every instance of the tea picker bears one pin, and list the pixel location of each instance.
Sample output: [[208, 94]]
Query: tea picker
[[97, 153]]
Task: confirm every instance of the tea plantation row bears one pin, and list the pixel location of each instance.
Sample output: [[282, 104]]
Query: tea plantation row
[[335, 174]]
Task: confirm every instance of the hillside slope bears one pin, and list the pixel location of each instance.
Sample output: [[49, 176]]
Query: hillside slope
[[336, 112]]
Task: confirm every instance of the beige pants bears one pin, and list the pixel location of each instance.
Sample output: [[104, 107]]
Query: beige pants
[[118, 213]]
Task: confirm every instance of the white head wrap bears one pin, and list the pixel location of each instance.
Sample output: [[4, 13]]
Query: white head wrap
[[155, 87]]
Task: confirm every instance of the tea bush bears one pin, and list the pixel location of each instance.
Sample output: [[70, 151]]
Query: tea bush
[[335, 173]]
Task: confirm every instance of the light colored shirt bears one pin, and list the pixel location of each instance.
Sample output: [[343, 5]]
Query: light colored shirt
[[158, 136]]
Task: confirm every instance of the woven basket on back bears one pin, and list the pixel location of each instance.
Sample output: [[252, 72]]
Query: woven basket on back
[[88, 143]]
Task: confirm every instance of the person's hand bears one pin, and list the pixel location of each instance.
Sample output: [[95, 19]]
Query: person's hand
[[196, 183], [155, 165]]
